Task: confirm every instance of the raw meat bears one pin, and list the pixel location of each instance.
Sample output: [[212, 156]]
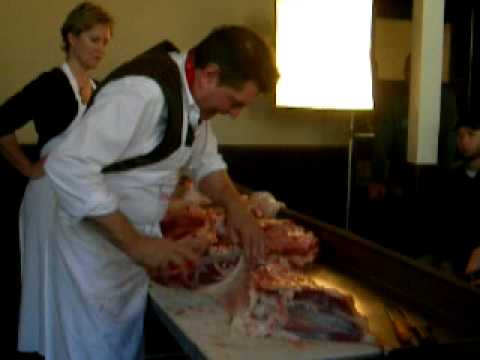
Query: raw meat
[[283, 303], [273, 300]]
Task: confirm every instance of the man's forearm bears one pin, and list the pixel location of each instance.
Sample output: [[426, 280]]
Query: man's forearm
[[218, 187], [121, 232], [242, 227]]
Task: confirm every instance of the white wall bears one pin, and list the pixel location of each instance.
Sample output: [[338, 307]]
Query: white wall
[[31, 43]]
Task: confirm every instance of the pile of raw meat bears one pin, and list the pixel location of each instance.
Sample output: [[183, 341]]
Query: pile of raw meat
[[275, 299]]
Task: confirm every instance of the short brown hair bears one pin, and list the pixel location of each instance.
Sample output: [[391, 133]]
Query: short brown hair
[[241, 56], [82, 18]]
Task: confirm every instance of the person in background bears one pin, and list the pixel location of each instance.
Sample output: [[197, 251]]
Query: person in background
[[115, 171], [54, 100], [389, 191], [462, 192], [390, 146]]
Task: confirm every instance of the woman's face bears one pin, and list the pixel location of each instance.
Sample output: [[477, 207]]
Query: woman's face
[[88, 48]]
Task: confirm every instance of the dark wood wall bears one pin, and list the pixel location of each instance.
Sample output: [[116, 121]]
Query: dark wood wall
[[309, 179]]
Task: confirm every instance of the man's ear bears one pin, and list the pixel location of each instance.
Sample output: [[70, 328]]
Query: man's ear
[[71, 39], [211, 73]]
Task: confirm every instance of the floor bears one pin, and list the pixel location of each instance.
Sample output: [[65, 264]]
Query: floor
[[159, 343]]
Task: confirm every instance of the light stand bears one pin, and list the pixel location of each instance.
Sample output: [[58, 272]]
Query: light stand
[[349, 169], [351, 142]]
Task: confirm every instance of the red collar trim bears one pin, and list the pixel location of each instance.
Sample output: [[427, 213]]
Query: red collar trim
[[190, 70]]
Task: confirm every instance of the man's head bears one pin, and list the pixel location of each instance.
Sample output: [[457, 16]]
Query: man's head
[[468, 136], [232, 65]]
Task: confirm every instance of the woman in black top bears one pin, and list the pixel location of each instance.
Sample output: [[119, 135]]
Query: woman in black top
[[54, 100]]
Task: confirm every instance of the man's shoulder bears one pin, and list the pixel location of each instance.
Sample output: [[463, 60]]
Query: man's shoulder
[[135, 85]]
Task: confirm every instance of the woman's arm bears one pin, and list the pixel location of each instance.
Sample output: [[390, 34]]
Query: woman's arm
[[11, 150], [30, 104]]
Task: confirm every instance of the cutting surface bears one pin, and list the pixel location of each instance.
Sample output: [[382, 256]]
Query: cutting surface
[[372, 303], [203, 329]]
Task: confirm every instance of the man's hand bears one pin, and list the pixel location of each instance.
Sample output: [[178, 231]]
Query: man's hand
[[153, 253], [162, 257], [241, 225], [243, 228]]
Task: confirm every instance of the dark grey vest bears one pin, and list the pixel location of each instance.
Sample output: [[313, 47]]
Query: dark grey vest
[[156, 64]]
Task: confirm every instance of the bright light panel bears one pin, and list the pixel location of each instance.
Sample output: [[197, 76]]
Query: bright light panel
[[323, 54]]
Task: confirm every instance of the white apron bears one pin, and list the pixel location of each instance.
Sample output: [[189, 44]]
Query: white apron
[[36, 219], [35, 233], [34, 242], [99, 293]]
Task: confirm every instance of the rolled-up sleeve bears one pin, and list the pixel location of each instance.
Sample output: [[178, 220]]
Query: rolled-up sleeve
[[100, 138], [206, 158]]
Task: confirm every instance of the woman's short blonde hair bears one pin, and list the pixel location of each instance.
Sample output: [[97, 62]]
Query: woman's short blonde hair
[[82, 18]]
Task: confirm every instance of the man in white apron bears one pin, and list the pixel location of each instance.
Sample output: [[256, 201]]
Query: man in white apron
[[115, 171]]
